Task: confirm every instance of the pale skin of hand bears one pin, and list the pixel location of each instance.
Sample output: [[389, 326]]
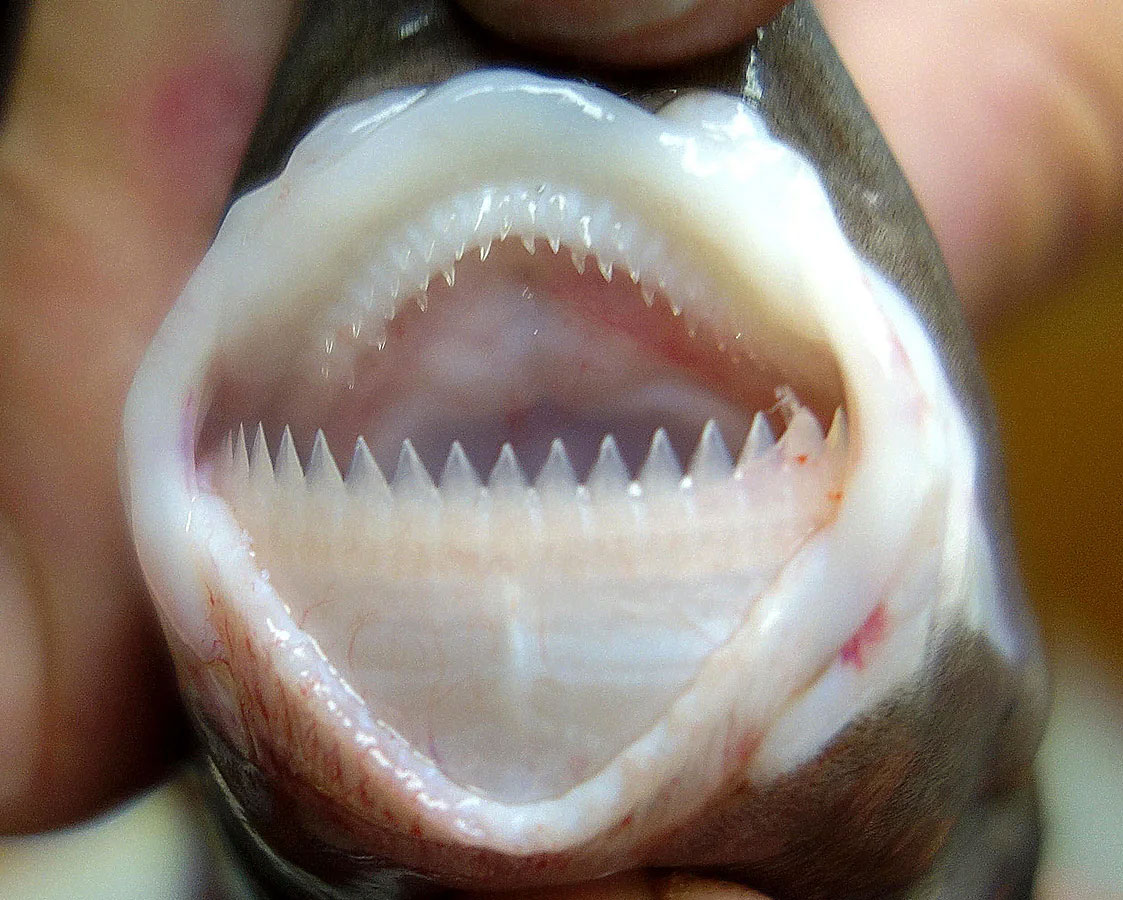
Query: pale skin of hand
[[124, 130]]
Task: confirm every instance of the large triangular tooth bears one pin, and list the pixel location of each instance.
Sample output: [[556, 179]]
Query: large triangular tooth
[[839, 434], [661, 472], [507, 475], [803, 438], [411, 479], [609, 476], [287, 471], [261, 467], [758, 442], [240, 460], [323, 474], [364, 478], [711, 462], [557, 480], [459, 481], [554, 240]]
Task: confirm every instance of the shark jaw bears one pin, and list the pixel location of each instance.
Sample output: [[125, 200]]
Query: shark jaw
[[568, 658]]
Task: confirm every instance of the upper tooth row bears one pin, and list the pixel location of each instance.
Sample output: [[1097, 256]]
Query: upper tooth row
[[406, 262], [242, 467]]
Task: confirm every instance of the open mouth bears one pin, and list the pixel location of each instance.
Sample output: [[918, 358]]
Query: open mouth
[[573, 365], [541, 479]]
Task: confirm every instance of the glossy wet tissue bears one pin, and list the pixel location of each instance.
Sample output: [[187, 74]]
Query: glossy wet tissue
[[538, 481]]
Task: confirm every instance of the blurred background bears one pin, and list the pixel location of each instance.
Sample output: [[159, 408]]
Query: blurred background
[[1055, 370]]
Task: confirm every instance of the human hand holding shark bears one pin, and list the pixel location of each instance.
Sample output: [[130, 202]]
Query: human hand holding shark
[[162, 152]]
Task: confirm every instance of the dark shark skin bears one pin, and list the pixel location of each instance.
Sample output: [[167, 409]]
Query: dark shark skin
[[931, 794]]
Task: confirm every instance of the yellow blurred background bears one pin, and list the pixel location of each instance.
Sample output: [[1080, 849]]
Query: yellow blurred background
[[1055, 369]]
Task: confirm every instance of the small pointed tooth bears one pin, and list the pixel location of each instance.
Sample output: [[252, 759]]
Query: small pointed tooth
[[803, 437], [450, 275], [485, 250], [605, 269], [411, 478], [634, 275], [648, 294], [507, 475], [557, 478], [661, 471], [554, 241], [459, 479], [528, 243], [323, 473], [759, 440], [364, 478], [839, 433], [609, 476], [624, 235], [711, 462], [422, 300], [241, 460], [443, 220], [401, 255], [261, 467], [287, 470], [578, 258]]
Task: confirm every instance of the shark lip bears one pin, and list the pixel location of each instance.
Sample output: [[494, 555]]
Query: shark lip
[[704, 233]]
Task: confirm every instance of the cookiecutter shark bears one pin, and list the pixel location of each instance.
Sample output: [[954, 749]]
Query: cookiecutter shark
[[807, 668]]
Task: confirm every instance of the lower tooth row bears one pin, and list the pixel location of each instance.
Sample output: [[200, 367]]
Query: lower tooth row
[[245, 471]]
